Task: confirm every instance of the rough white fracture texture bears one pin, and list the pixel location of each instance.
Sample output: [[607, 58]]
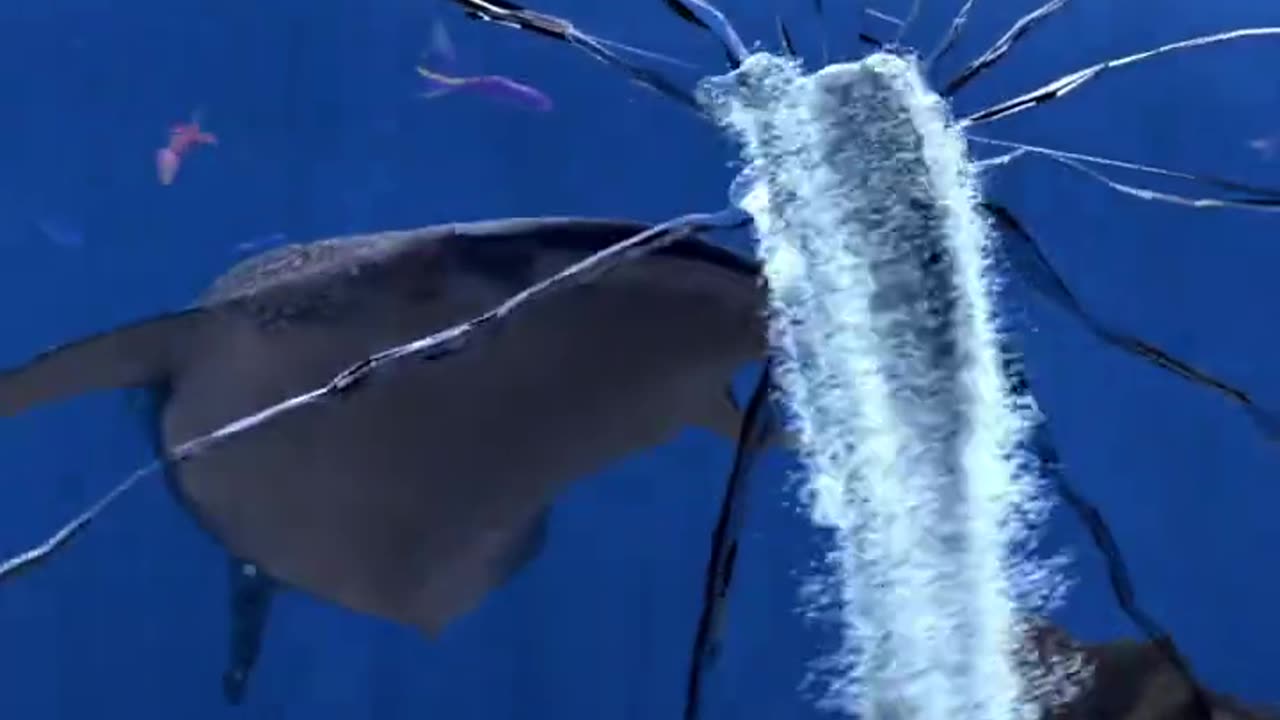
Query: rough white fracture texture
[[888, 359]]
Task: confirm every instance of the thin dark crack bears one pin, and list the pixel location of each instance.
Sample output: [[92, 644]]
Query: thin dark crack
[[1091, 517], [1028, 260], [1007, 42], [953, 34], [706, 16], [752, 436], [511, 15], [1067, 83]]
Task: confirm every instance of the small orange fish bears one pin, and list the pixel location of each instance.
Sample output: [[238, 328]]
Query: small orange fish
[[182, 138]]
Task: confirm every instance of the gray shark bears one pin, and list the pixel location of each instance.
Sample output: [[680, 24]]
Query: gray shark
[[414, 497]]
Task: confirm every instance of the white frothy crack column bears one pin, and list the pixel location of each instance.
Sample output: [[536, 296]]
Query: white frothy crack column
[[882, 325]]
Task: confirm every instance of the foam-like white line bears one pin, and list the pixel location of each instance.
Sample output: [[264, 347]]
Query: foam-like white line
[[889, 364]]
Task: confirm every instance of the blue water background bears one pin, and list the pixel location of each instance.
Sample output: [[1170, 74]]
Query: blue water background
[[321, 135]]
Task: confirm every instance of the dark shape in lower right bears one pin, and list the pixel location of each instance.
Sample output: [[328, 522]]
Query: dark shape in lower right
[[1134, 680]]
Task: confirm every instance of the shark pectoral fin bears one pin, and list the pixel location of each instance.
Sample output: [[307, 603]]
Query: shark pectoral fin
[[252, 591], [129, 356], [523, 547]]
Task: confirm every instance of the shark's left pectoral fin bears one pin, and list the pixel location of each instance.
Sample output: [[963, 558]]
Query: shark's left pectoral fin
[[131, 356], [252, 591]]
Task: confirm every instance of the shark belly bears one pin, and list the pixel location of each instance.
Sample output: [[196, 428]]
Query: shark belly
[[408, 498]]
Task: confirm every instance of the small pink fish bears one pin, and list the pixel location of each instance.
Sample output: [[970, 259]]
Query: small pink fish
[[182, 138]]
